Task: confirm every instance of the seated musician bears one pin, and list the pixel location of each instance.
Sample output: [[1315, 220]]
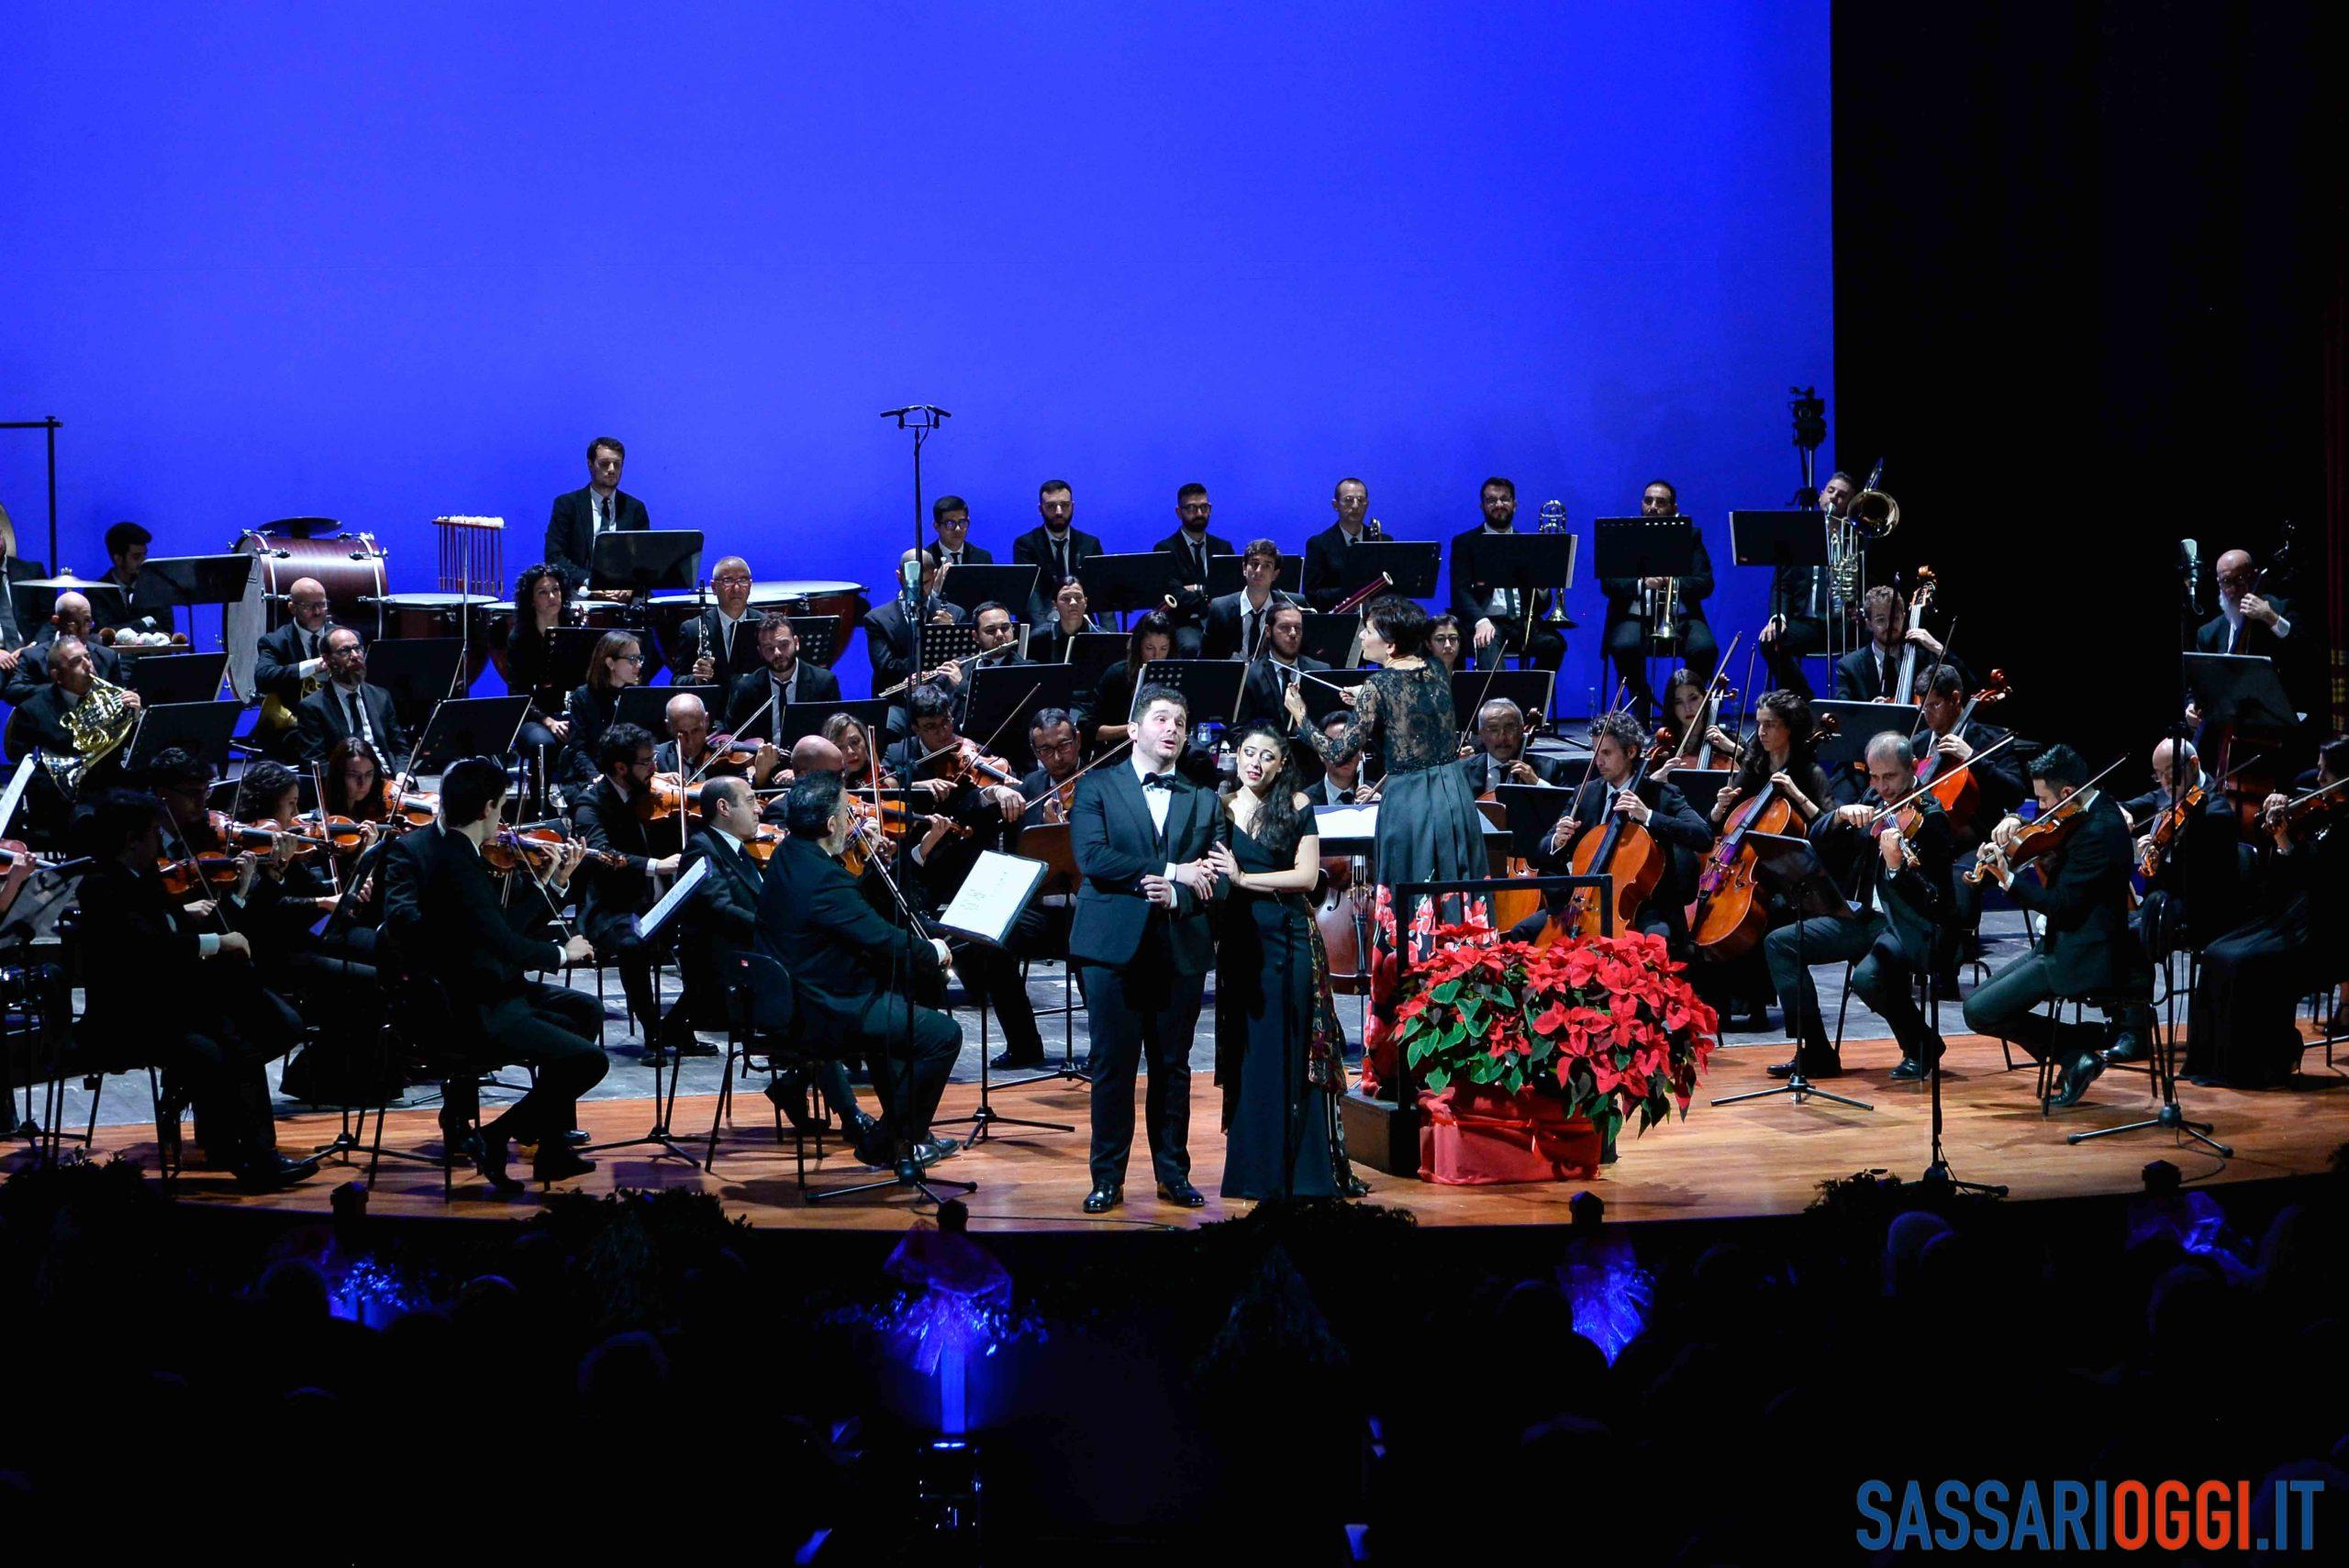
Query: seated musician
[[1051, 736], [2242, 1027], [754, 707], [1444, 642], [720, 645], [582, 516], [1798, 602], [2080, 894], [1501, 616], [1500, 756], [932, 758], [1631, 631], [1276, 668], [605, 817], [1617, 743], [1151, 638], [331, 970], [2196, 889], [950, 517], [1779, 751], [998, 647], [1341, 782], [1071, 616], [1873, 674], [70, 618], [540, 597], [14, 569], [893, 627], [617, 664], [717, 919], [810, 754], [1953, 736], [182, 784], [347, 705], [2247, 621], [1327, 579], [127, 552], [690, 752], [291, 663], [1187, 549], [1236, 623], [851, 971], [40, 720], [1055, 548], [1900, 879], [446, 923], [356, 786], [855, 760], [184, 996]]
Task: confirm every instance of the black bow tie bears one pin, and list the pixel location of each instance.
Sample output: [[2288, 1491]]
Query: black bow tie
[[1158, 780]]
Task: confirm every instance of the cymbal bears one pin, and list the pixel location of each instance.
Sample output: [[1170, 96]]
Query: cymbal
[[65, 582]]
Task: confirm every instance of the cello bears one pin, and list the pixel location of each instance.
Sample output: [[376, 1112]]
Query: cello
[[1626, 852], [1731, 913]]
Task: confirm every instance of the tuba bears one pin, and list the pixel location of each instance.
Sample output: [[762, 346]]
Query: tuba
[[99, 725]]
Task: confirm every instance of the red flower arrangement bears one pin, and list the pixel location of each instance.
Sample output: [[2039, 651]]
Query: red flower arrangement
[[1606, 1023]]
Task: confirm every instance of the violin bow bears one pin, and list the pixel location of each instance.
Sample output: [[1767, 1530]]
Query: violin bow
[[1052, 789], [1939, 660]]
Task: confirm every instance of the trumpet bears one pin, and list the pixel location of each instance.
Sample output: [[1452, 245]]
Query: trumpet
[[1553, 522]]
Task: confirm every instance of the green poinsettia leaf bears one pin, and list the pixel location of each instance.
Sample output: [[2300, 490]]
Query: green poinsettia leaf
[[1445, 992], [1438, 1079]]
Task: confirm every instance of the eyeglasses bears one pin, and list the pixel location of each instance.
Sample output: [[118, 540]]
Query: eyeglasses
[[733, 577], [631, 658]]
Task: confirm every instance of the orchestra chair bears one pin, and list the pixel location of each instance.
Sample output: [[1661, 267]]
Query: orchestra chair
[[420, 1014], [167, 1106], [764, 1035]]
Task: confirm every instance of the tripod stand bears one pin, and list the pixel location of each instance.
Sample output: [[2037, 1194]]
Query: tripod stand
[[1790, 868], [985, 1118]]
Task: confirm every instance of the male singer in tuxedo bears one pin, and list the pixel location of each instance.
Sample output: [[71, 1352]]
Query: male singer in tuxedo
[[347, 705], [1186, 550], [1141, 833], [1055, 548], [582, 516], [1327, 578], [1496, 611], [1236, 623]]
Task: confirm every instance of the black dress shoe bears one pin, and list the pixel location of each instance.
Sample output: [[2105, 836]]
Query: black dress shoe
[[931, 1151], [1101, 1200], [2128, 1045], [577, 1138], [2077, 1079], [1913, 1070], [691, 1045], [1182, 1193], [267, 1173], [556, 1163], [790, 1096], [487, 1151], [1008, 1062], [1813, 1066]]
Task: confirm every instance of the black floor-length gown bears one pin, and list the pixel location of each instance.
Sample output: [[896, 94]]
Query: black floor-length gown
[[1268, 1006]]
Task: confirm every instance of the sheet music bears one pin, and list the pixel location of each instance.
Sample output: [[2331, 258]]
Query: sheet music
[[993, 895], [652, 919], [15, 791]]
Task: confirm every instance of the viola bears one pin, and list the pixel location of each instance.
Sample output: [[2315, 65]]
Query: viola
[[994, 770], [418, 808], [665, 800], [761, 845], [1959, 792]]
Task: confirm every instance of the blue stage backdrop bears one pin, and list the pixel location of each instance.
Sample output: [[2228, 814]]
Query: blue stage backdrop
[[385, 263]]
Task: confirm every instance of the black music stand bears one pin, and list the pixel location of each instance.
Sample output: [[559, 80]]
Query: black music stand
[[972, 585], [36, 600], [1532, 811], [648, 707], [200, 727], [1643, 547], [816, 634], [1004, 697], [1413, 564], [992, 898], [2240, 689], [1790, 870], [1225, 577], [1778, 539], [1527, 563], [643, 560], [1529, 689], [801, 719], [1330, 638], [166, 677], [418, 671], [1211, 686], [192, 579], [1699, 786], [934, 645], [1124, 583], [1857, 724], [571, 649], [1091, 653], [468, 727]]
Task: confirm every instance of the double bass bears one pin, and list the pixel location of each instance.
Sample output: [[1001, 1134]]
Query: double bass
[[1732, 913]]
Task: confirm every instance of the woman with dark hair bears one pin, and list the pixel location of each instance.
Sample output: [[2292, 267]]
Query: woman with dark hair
[[846, 731], [1429, 829], [356, 786], [333, 973], [538, 602], [1152, 637], [1779, 751], [1443, 641], [617, 664], [1280, 1054]]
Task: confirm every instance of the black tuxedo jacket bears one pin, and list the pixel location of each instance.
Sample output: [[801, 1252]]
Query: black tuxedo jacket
[[570, 531], [1260, 703], [1918, 900], [442, 911], [1220, 638], [892, 639], [1115, 845], [1472, 585], [325, 720], [127, 922], [2211, 636], [973, 555], [1034, 549], [17, 630], [610, 894], [277, 672], [2083, 904], [750, 693], [1623, 593], [843, 957], [1188, 606], [1482, 776], [1326, 581], [1858, 678], [1676, 824], [31, 672], [718, 920], [707, 629]]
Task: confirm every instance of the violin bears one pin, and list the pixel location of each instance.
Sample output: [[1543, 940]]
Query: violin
[[2306, 811], [878, 830], [994, 770], [2045, 834], [339, 834], [728, 755], [761, 845], [1957, 789], [208, 869], [262, 836], [665, 800], [417, 808], [537, 851]]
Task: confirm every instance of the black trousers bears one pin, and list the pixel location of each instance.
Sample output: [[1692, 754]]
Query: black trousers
[[1785, 653], [1142, 1011], [909, 1052], [550, 1029], [1627, 644], [993, 978], [1883, 977], [1546, 652], [221, 1062], [618, 944]]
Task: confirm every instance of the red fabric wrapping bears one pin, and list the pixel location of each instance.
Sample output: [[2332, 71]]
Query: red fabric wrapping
[[1472, 1136]]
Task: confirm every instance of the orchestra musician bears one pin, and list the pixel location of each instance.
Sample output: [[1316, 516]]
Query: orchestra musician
[[1443, 641], [2195, 891], [607, 818], [893, 627], [721, 646], [1799, 608], [539, 599], [1057, 549], [2081, 897], [355, 782], [14, 570], [996, 640], [332, 972], [617, 664], [1278, 666], [1068, 616], [1629, 632], [1688, 704], [754, 707], [1327, 578], [291, 661], [196, 1007], [444, 922], [1500, 756], [1997, 780], [1900, 879], [850, 971], [41, 720], [1779, 752], [688, 754], [2247, 622], [1141, 941], [1186, 550], [1341, 782], [71, 617], [1051, 736], [347, 706], [127, 552], [1617, 743], [1151, 638], [720, 917], [950, 517], [2243, 1025], [582, 516], [1873, 674], [1237, 624], [1501, 616], [855, 765]]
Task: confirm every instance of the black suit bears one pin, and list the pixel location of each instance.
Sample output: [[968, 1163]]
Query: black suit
[[2084, 942], [1261, 703], [893, 640], [571, 529], [442, 918], [612, 895], [720, 920], [277, 672], [1035, 549], [1627, 640], [751, 695], [15, 630], [1182, 573], [1797, 593], [1903, 931], [850, 971], [1473, 586], [1142, 966], [31, 672], [1676, 826], [2242, 1025], [208, 1023], [1327, 579], [1225, 635], [1483, 773], [2214, 635], [973, 555], [1863, 675], [709, 629], [325, 719]]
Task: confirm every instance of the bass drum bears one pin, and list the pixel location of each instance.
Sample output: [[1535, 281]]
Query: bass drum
[[349, 566]]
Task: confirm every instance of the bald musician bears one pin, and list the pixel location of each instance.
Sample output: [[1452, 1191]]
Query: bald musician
[[71, 617], [292, 660]]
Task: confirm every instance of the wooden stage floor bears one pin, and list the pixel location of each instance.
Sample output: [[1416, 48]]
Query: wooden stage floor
[[1765, 1157]]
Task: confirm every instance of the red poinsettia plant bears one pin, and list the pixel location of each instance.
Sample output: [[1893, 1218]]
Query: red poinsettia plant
[[1608, 1024]]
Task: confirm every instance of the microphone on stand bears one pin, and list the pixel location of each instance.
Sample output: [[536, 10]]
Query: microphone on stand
[[2190, 557]]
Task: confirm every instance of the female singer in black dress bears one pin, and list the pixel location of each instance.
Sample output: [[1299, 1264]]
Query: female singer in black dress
[[617, 664], [1279, 1050], [1429, 829]]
